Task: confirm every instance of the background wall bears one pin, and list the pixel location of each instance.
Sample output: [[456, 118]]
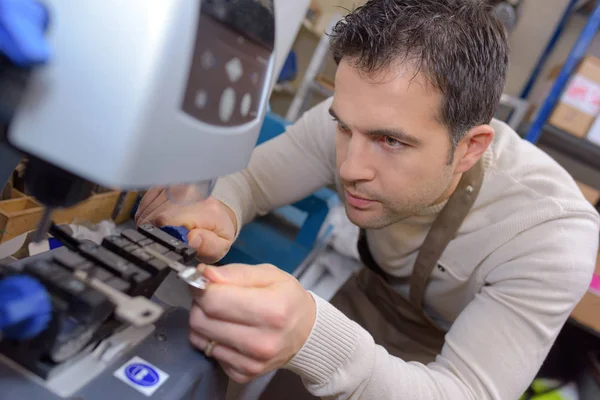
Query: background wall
[[532, 33], [289, 15], [331, 7], [527, 42]]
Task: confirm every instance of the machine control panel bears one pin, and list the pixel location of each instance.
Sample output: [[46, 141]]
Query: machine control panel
[[228, 69]]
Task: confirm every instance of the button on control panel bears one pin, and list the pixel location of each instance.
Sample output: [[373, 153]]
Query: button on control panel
[[227, 104], [234, 69], [246, 104]]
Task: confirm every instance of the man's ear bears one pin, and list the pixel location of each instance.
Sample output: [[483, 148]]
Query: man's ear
[[472, 147]]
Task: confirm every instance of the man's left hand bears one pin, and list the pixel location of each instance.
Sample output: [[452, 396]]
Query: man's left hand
[[258, 316]]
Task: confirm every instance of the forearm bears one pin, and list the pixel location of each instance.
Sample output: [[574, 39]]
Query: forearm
[[235, 192], [341, 361]]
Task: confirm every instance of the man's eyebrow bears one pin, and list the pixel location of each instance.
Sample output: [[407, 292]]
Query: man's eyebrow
[[397, 134]]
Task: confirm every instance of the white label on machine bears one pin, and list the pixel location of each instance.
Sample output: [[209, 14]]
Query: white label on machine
[[583, 94], [141, 375]]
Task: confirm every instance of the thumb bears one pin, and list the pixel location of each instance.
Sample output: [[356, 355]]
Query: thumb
[[177, 218], [245, 275]]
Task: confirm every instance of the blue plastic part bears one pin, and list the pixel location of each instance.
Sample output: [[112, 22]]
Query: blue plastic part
[[578, 51], [548, 50], [273, 126], [289, 71], [178, 232], [25, 307], [54, 243], [261, 243], [22, 27]]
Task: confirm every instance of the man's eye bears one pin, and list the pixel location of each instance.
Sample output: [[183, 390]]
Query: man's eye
[[393, 143], [343, 128]]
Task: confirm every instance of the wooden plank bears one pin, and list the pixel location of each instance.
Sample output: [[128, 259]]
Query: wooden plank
[[21, 215], [16, 194], [14, 207], [93, 210], [128, 205], [18, 216]]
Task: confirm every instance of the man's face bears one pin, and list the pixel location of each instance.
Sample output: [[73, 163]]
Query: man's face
[[391, 148]]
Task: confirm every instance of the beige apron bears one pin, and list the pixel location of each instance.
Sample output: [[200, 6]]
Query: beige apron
[[398, 324]]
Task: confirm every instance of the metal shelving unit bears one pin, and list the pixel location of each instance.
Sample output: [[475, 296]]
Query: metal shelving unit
[[309, 80], [580, 150], [579, 50]]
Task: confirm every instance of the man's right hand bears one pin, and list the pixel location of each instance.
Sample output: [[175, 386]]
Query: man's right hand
[[211, 223]]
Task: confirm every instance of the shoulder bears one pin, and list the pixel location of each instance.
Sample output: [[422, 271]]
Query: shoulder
[[315, 131], [531, 177], [529, 200], [317, 119]]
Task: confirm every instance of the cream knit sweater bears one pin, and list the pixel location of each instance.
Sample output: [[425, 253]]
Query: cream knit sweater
[[520, 263]]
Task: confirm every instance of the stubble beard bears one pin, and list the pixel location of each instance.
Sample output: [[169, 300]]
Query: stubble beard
[[393, 212]]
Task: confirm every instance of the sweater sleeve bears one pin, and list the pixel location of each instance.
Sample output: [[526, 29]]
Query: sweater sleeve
[[284, 169], [496, 345]]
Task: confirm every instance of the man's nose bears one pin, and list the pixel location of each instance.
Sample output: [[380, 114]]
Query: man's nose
[[357, 165]]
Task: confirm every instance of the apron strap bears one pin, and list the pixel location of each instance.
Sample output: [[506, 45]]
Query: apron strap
[[443, 230], [367, 258]]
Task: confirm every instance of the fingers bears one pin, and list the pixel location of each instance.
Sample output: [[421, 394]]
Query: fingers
[[148, 198], [177, 217], [237, 366], [240, 305], [235, 375], [151, 205], [209, 246], [246, 275], [220, 331], [209, 214], [243, 339]]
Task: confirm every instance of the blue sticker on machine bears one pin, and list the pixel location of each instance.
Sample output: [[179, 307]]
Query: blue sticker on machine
[[142, 374]]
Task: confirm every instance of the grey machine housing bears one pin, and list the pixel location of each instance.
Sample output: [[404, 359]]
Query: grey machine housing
[[144, 93], [141, 93]]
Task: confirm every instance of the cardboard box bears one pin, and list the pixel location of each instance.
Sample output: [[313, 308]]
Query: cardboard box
[[594, 132], [591, 194], [587, 312], [580, 103]]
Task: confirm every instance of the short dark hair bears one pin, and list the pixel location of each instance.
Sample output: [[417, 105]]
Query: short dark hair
[[460, 46]]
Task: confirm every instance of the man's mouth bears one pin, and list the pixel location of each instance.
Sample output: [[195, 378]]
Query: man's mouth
[[356, 201]]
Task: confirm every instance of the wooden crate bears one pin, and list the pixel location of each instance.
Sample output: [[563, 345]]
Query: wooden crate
[[22, 214], [18, 216]]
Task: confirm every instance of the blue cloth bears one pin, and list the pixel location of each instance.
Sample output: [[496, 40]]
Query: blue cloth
[[25, 307], [22, 27]]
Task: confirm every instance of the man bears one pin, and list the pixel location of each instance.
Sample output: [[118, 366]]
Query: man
[[476, 244]]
